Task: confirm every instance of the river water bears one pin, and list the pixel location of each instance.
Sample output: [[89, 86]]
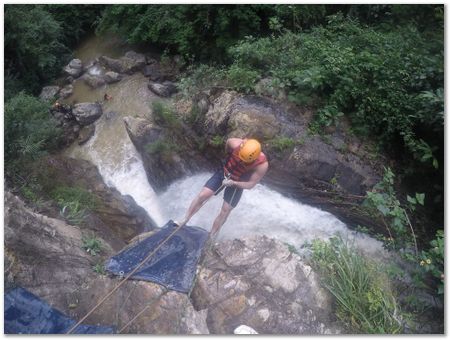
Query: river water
[[260, 211]]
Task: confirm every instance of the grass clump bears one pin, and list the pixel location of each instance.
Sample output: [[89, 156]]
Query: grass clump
[[91, 244], [74, 203], [99, 269], [282, 143], [164, 115], [364, 301]]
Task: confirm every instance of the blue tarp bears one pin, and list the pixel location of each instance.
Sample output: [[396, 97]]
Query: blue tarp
[[25, 313], [174, 265]]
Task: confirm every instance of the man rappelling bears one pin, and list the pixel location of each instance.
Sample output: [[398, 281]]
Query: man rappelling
[[244, 167]]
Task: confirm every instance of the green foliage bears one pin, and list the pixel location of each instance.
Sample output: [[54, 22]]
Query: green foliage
[[99, 268], [292, 249], [29, 129], [164, 115], [200, 78], [242, 79], [75, 20], [191, 30], [383, 203], [365, 301], [432, 260], [382, 80], [33, 45], [163, 148], [31, 192], [74, 203], [328, 116], [92, 245], [37, 39], [218, 141], [282, 143]]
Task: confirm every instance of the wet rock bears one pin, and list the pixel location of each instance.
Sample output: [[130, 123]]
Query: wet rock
[[94, 81], [112, 77], [87, 113], [85, 134], [163, 161], [74, 68], [49, 93], [150, 60], [258, 282], [111, 115], [165, 89], [130, 63], [139, 58], [153, 72], [66, 91]]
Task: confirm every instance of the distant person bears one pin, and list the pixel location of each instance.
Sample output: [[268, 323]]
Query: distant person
[[107, 97], [244, 167]]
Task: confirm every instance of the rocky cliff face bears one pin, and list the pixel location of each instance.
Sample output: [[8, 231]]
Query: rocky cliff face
[[331, 172], [115, 217], [258, 282], [45, 256], [255, 281]]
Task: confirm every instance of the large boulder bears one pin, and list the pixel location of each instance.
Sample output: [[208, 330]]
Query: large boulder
[[128, 64], [49, 93], [87, 113], [112, 77], [153, 72], [45, 256], [165, 89], [66, 91], [164, 159], [94, 81], [74, 68], [258, 282], [85, 134]]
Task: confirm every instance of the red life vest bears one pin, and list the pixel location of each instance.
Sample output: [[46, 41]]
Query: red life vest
[[236, 167]]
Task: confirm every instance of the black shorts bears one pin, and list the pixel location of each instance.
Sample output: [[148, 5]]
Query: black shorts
[[232, 194]]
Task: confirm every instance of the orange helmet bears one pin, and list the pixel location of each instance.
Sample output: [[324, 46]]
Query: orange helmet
[[250, 150]]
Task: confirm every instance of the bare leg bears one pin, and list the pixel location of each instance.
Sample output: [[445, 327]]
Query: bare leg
[[221, 218], [197, 203]]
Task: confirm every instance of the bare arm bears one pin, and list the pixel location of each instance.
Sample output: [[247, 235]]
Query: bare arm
[[232, 143], [256, 176]]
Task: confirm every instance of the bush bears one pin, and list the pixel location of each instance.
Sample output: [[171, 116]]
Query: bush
[[30, 131], [432, 261], [386, 81], [365, 302], [91, 244], [164, 115], [201, 77]]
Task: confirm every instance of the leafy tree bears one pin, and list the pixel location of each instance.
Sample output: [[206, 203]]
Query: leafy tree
[[75, 20], [33, 45]]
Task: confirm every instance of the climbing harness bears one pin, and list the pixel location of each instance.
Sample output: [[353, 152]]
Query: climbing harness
[[136, 269]]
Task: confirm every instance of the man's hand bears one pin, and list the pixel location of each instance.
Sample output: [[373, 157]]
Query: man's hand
[[227, 182]]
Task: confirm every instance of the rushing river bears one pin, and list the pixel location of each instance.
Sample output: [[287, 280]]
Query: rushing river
[[260, 211]]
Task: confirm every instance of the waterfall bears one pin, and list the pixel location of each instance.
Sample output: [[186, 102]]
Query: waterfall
[[261, 211]]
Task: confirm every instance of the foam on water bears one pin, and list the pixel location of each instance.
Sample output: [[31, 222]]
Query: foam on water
[[261, 211]]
